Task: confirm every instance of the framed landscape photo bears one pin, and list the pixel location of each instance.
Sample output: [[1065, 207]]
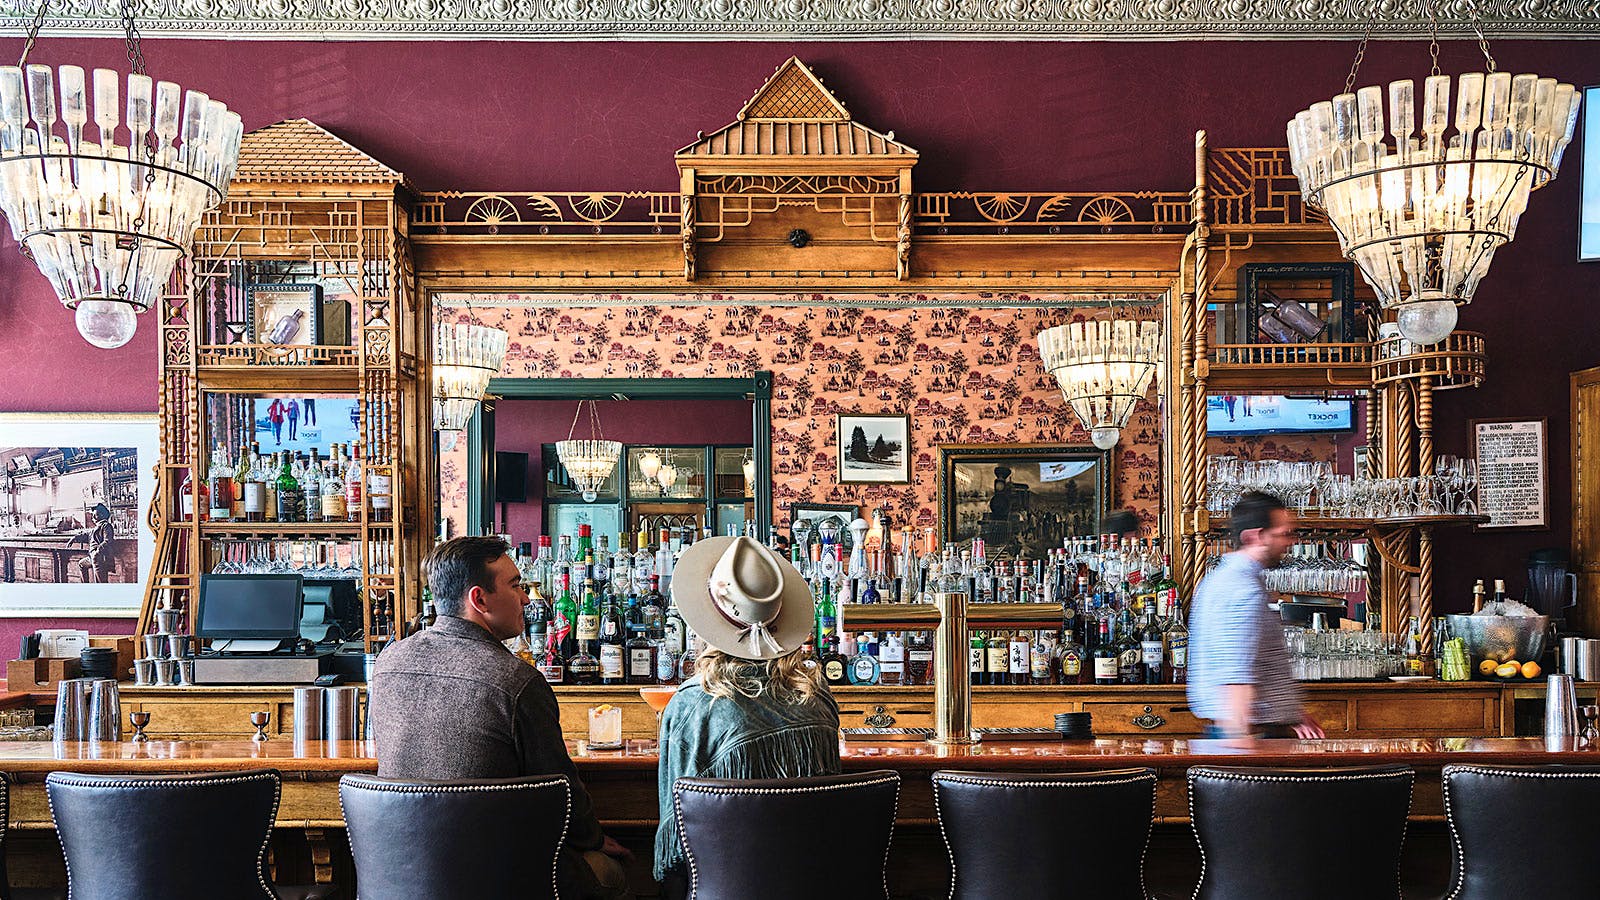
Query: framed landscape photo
[[73, 493], [287, 315], [873, 448], [1021, 499], [810, 516]]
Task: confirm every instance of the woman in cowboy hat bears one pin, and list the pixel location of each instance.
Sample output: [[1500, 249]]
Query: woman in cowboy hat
[[756, 707]]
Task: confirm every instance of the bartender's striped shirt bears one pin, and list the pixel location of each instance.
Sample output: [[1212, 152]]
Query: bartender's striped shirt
[[1235, 638]]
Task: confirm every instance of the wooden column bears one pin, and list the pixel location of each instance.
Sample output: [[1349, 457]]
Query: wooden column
[[1195, 364]]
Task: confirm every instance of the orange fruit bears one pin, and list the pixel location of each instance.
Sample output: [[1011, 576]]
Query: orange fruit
[[1530, 669], [1487, 667]]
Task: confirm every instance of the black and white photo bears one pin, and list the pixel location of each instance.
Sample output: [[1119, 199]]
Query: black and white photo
[[874, 449]]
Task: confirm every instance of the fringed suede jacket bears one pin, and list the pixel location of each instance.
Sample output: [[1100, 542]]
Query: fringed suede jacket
[[739, 737]]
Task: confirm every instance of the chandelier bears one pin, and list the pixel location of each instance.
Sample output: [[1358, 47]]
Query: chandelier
[[465, 357], [1422, 209], [1104, 368], [107, 217], [590, 462]]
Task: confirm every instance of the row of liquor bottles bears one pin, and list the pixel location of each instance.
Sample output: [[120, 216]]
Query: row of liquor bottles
[[288, 487]]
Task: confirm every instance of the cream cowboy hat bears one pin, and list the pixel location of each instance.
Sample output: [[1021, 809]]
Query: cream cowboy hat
[[742, 598]]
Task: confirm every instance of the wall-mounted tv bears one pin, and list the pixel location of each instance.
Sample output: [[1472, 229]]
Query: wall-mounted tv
[[1232, 414], [1589, 206]]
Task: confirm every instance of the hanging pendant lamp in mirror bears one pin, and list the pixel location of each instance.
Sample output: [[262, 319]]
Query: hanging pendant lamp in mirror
[[107, 218], [1419, 207], [465, 357], [1104, 368], [590, 461]]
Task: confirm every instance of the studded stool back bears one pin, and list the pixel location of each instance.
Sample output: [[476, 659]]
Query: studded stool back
[[165, 837], [1267, 834], [1012, 835], [786, 838], [490, 839], [1523, 831]]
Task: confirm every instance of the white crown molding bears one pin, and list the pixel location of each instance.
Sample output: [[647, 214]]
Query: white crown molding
[[814, 19]]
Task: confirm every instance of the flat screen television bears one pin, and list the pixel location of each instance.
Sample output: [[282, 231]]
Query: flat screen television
[[1232, 414], [1589, 157]]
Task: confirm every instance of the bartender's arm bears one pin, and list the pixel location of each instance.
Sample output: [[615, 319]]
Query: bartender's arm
[[1237, 701]]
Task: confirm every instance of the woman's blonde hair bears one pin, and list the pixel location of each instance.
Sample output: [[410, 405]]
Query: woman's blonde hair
[[791, 678]]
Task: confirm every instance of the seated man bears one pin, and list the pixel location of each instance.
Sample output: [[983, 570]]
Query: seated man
[[452, 703]]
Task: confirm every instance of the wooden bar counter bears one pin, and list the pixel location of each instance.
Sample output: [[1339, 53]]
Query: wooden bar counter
[[623, 785]]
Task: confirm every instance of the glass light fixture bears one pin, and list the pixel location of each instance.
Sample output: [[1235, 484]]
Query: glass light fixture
[[1419, 207], [667, 477], [649, 464], [749, 469], [465, 357], [1103, 368], [107, 218], [589, 461]]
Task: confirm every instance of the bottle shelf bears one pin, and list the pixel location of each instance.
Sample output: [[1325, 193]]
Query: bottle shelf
[[280, 529]]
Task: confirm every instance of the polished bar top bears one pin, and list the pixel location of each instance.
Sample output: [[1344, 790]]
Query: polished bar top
[[334, 758]]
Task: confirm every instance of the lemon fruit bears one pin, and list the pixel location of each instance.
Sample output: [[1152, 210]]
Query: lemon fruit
[[1487, 667], [1509, 670]]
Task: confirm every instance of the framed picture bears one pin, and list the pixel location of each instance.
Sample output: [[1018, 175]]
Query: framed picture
[[1513, 472], [1589, 205], [812, 515], [73, 493], [284, 314], [1360, 462], [1288, 303], [1022, 499], [873, 448]]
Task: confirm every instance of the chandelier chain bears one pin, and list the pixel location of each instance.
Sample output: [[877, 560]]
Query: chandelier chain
[[130, 31], [1483, 42], [1361, 52], [33, 33], [1433, 33]]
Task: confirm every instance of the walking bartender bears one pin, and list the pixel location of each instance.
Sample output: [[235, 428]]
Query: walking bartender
[[1239, 673]]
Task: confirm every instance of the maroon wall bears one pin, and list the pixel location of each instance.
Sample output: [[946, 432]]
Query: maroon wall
[[521, 426], [1029, 116]]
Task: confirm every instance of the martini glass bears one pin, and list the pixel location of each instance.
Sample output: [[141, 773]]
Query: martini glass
[[658, 696]]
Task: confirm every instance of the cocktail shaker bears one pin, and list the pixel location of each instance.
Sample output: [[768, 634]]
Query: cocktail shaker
[[344, 713], [309, 706], [72, 709], [1560, 708], [104, 722]]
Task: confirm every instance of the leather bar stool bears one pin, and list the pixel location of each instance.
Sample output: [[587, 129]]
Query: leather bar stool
[[1273, 834], [168, 837], [493, 839], [1523, 831], [7, 892], [787, 838], [1012, 835]]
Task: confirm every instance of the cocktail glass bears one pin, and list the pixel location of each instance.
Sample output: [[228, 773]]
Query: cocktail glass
[[605, 727], [658, 696]]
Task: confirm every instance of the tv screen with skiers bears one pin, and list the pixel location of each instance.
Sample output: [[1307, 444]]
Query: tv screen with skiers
[[299, 423], [1276, 414]]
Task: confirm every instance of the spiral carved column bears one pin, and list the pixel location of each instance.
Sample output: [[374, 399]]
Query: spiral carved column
[[1198, 323]]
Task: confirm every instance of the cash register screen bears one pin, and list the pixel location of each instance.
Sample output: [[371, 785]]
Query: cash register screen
[[249, 607]]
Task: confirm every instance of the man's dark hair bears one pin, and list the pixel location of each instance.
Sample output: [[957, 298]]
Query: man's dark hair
[[456, 566], [1251, 511]]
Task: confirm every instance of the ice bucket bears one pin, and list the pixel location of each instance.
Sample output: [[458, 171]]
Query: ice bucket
[[1502, 638]]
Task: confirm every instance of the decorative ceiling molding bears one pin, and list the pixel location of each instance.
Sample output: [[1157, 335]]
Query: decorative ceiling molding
[[817, 19]]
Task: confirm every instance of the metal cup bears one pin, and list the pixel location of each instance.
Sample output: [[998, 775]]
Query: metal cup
[[309, 706], [105, 711], [185, 672], [166, 671], [178, 645], [1571, 652], [155, 646], [144, 671], [169, 621], [1588, 660], [72, 709], [1560, 708], [343, 714]]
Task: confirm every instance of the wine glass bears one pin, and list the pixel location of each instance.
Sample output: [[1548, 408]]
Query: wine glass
[[1469, 485]]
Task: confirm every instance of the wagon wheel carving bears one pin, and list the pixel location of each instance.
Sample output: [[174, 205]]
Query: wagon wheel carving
[[1054, 208], [544, 207], [596, 207], [492, 211], [1000, 208], [1105, 212]]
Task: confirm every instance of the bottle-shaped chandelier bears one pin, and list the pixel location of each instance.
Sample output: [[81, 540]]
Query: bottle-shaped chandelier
[[591, 461], [1104, 368]]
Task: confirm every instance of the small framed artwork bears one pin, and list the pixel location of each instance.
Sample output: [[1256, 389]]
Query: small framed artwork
[[1513, 474], [73, 493], [873, 448], [1022, 499], [1589, 205], [1361, 462], [808, 517], [1289, 303], [287, 315]]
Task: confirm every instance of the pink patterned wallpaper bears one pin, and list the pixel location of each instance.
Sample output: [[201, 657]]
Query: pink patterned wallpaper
[[964, 374]]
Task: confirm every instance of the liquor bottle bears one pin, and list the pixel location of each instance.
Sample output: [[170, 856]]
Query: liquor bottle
[[189, 503], [864, 667], [255, 488], [892, 659], [613, 654], [269, 486], [1499, 595], [977, 656], [536, 619], [834, 666], [543, 569], [1152, 650], [674, 644], [1477, 597], [1019, 651], [1128, 649], [333, 494], [919, 657], [644, 561], [553, 666], [354, 479], [689, 659], [380, 493], [982, 574], [826, 614], [241, 477], [221, 487], [291, 502], [652, 610], [564, 613], [1041, 660], [1177, 641], [311, 484], [1105, 656], [642, 655], [582, 667], [588, 622], [602, 563], [1414, 636], [997, 663], [1070, 659], [286, 327]]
